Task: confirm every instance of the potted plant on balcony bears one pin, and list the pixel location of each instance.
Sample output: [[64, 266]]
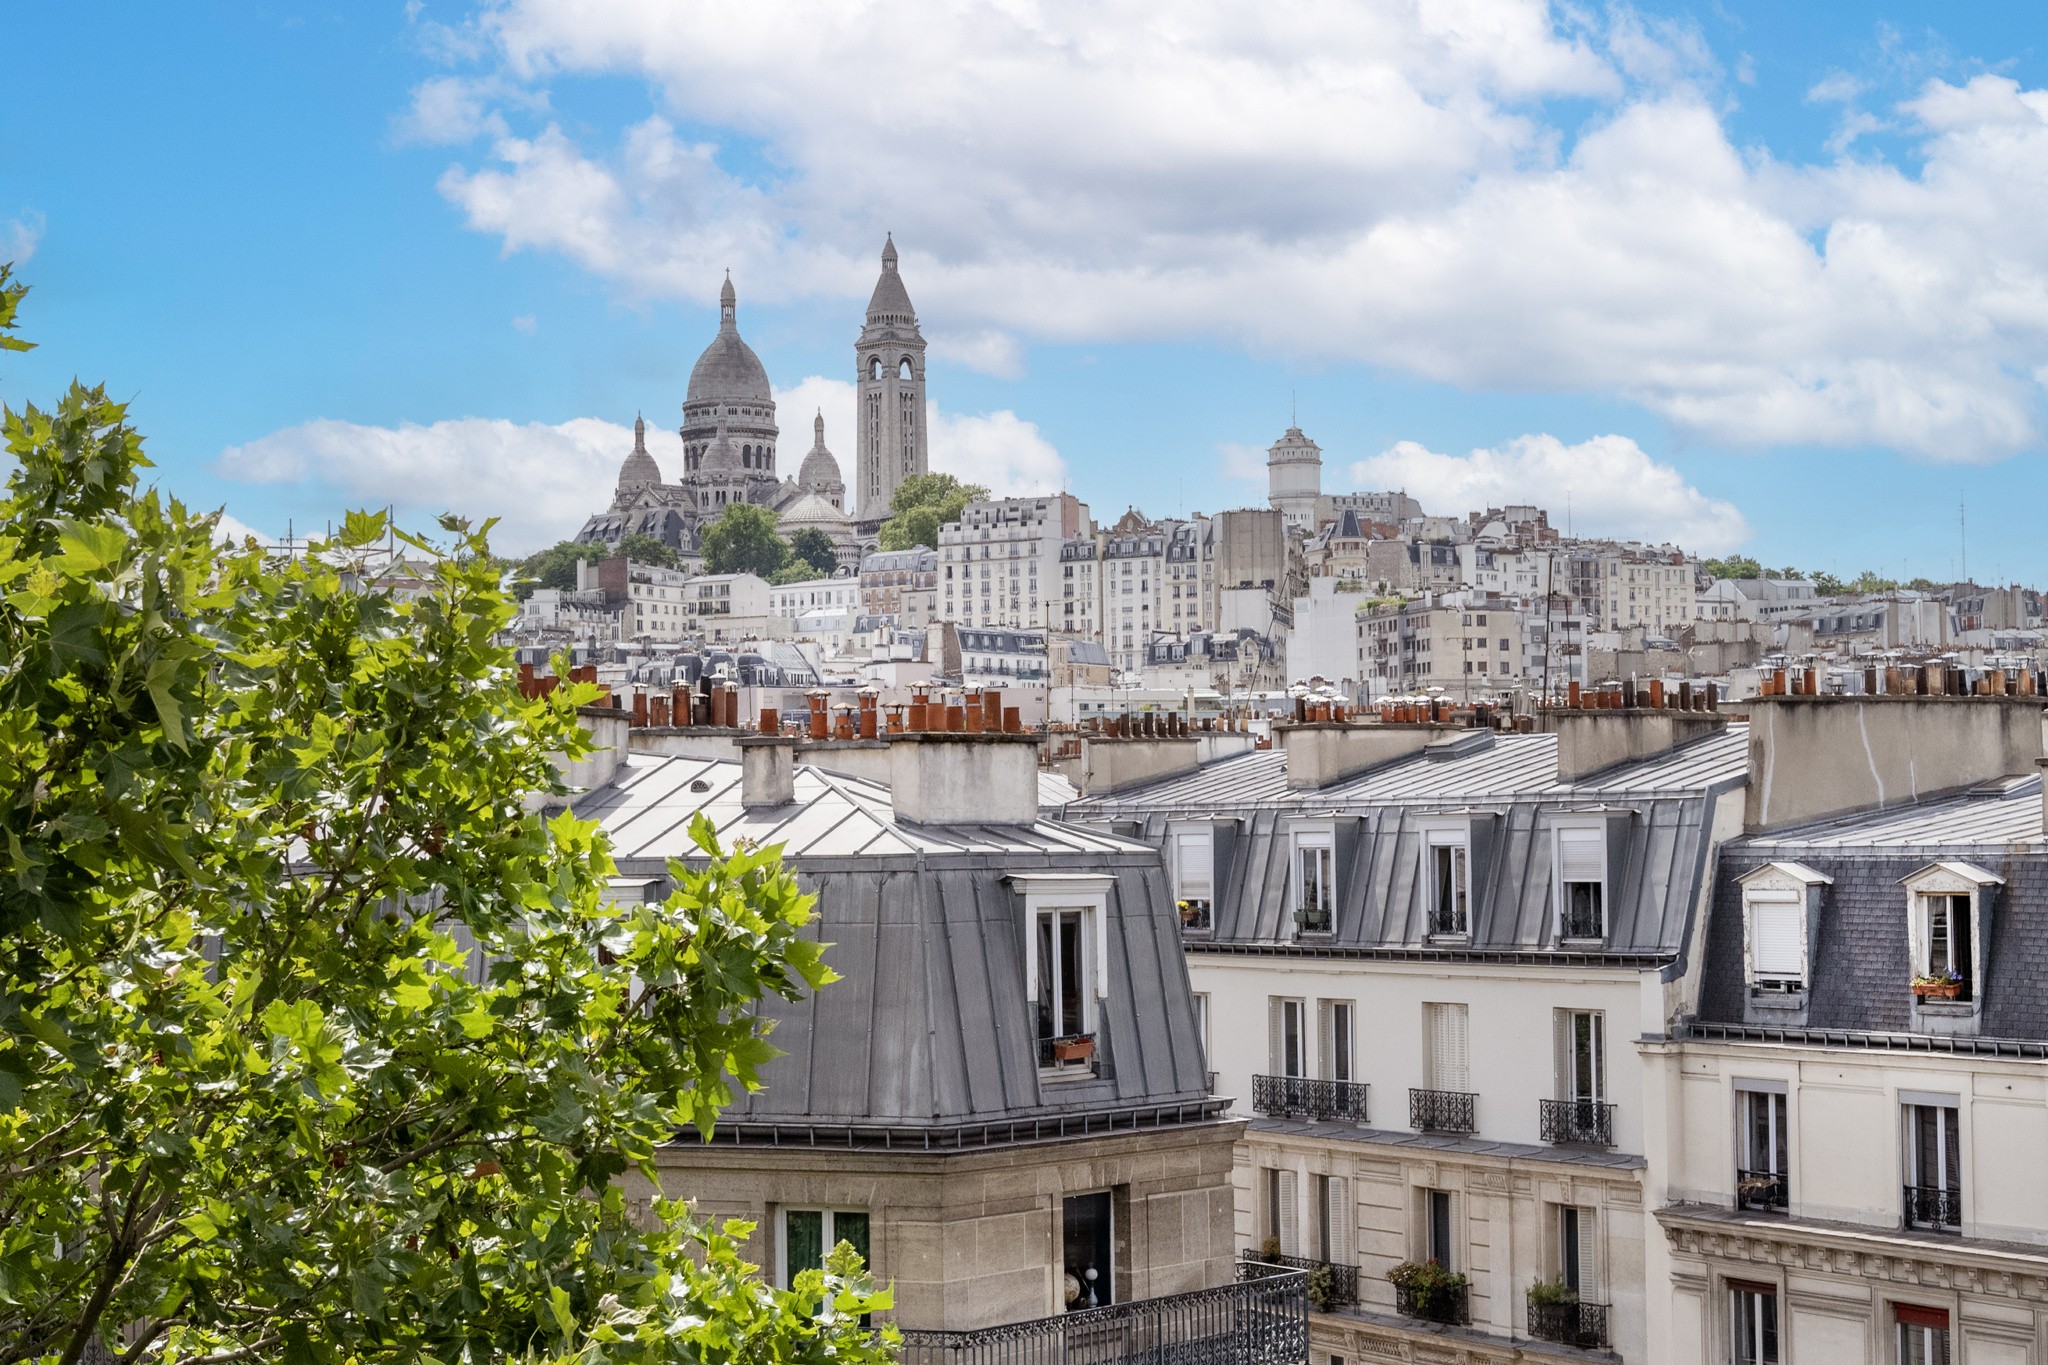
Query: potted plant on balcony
[[1552, 1294], [1945, 985], [1424, 1289], [1322, 1287], [1078, 1047]]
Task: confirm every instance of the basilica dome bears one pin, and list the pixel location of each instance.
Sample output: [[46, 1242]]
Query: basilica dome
[[728, 371]]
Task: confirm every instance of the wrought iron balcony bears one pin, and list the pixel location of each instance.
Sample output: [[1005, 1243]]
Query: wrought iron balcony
[[1260, 1320], [1299, 1097], [1451, 1304], [1764, 1191], [1575, 1323], [1929, 1206], [1442, 1111], [1587, 1122], [1331, 1284]]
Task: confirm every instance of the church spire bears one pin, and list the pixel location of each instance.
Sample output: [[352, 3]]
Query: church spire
[[889, 252], [728, 311], [818, 431]]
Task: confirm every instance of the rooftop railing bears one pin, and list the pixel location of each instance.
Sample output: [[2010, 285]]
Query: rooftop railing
[[1300, 1097], [1442, 1111], [1586, 1122], [1331, 1284], [1262, 1319]]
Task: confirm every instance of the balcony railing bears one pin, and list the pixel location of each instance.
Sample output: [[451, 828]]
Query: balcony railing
[[1587, 1122], [1300, 1097], [1442, 1111], [1575, 1323], [1764, 1191], [1929, 1206], [1451, 1304], [1331, 1284], [1260, 1320]]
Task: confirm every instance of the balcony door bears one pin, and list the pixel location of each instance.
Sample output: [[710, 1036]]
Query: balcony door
[[1934, 1176], [1088, 1238]]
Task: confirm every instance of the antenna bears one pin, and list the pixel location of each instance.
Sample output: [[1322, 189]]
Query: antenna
[[1293, 411], [1962, 539]]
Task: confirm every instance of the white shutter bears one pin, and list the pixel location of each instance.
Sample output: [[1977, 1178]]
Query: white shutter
[[1777, 934], [1581, 855], [1449, 1066], [1194, 863], [1338, 1217], [1589, 1255], [1275, 1037], [1290, 1214], [1561, 1050]]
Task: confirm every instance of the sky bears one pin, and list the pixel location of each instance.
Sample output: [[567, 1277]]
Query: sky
[[1748, 277]]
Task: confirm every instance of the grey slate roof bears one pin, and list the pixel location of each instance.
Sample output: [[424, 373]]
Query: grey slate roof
[[929, 1025], [1860, 964], [1658, 813]]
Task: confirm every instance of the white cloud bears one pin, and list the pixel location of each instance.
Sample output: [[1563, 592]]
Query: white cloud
[[1242, 463], [19, 238], [986, 352], [998, 450], [1324, 179], [526, 324], [1612, 486], [452, 109], [542, 481], [233, 531]]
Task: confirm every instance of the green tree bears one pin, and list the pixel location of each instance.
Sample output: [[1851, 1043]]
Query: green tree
[[814, 548], [1735, 566], [317, 1042], [922, 504], [643, 549], [743, 540], [554, 567]]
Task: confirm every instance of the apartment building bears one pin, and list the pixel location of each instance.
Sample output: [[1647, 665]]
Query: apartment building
[[1465, 644], [999, 563], [730, 606], [902, 585], [1851, 1100], [1048, 1169], [653, 603], [1422, 954], [837, 595]]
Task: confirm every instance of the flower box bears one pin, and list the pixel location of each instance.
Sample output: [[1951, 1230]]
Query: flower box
[[1937, 990], [1076, 1049]]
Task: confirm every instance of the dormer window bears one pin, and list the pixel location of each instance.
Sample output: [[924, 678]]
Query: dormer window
[[1315, 880], [1780, 904], [1947, 913], [1065, 965], [1582, 882], [1447, 869]]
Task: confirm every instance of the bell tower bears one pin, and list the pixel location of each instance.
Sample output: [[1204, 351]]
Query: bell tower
[[889, 360]]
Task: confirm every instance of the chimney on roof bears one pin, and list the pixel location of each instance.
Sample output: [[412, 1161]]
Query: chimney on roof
[[1589, 740], [1322, 752], [767, 771], [956, 778]]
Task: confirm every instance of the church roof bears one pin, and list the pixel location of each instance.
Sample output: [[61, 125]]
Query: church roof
[[728, 370], [819, 469], [639, 467], [808, 509], [721, 454], [891, 301]]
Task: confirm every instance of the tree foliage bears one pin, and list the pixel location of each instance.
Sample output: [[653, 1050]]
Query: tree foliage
[[1735, 566], [645, 549], [743, 540], [318, 1041], [922, 504], [814, 549]]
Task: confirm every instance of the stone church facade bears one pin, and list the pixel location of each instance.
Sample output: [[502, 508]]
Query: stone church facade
[[729, 440]]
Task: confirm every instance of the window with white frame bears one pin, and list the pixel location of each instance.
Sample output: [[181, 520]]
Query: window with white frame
[[1753, 1323], [1582, 882], [1064, 964], [1194, 875], [1333, 1218], [1763, 1144], [1933, 1152], [1945, 910], [1943, 940], [1776, 925], [1447, 868], [809, 1235], [1287, 1036], [1315, 876], [1337, 1026], [1577, 1250], [1446, 1061], [1581, 1056]]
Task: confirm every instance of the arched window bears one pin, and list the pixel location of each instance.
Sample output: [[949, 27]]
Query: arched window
[[874, 367], [903, 370]]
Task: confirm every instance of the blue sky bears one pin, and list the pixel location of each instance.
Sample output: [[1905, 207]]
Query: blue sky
[[1750, 276]]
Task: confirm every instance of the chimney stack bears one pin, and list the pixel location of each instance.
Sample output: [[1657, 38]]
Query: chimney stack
[[767, 771], [954, 778]]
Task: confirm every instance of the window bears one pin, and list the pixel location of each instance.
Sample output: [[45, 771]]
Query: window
[[1582, 882], [1438, 1244], [1753, 1309], [1332, 1215], [1777, 938], [1575, 1250], [1088, 1249], [1279, 1222], [1336, 1034], [1761, 1174], [1934, 1176], [808, 1235], [1062, 995], [1449, 884], [1446, 1065], [1194, 875], [1287, 1036], [1923, 1334], [1315, 898], [1581, 1056], [1945, 940]]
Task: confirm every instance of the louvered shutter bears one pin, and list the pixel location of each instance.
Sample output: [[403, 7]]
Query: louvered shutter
[[1589, 1255], [1777, 934], [1449, 1067], [1581, 855], [1290, 1214], [1275, 1037], [1338, 1218], [1561, 1051]]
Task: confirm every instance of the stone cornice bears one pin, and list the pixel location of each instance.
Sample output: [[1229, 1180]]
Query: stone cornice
[[1924, 1260]]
